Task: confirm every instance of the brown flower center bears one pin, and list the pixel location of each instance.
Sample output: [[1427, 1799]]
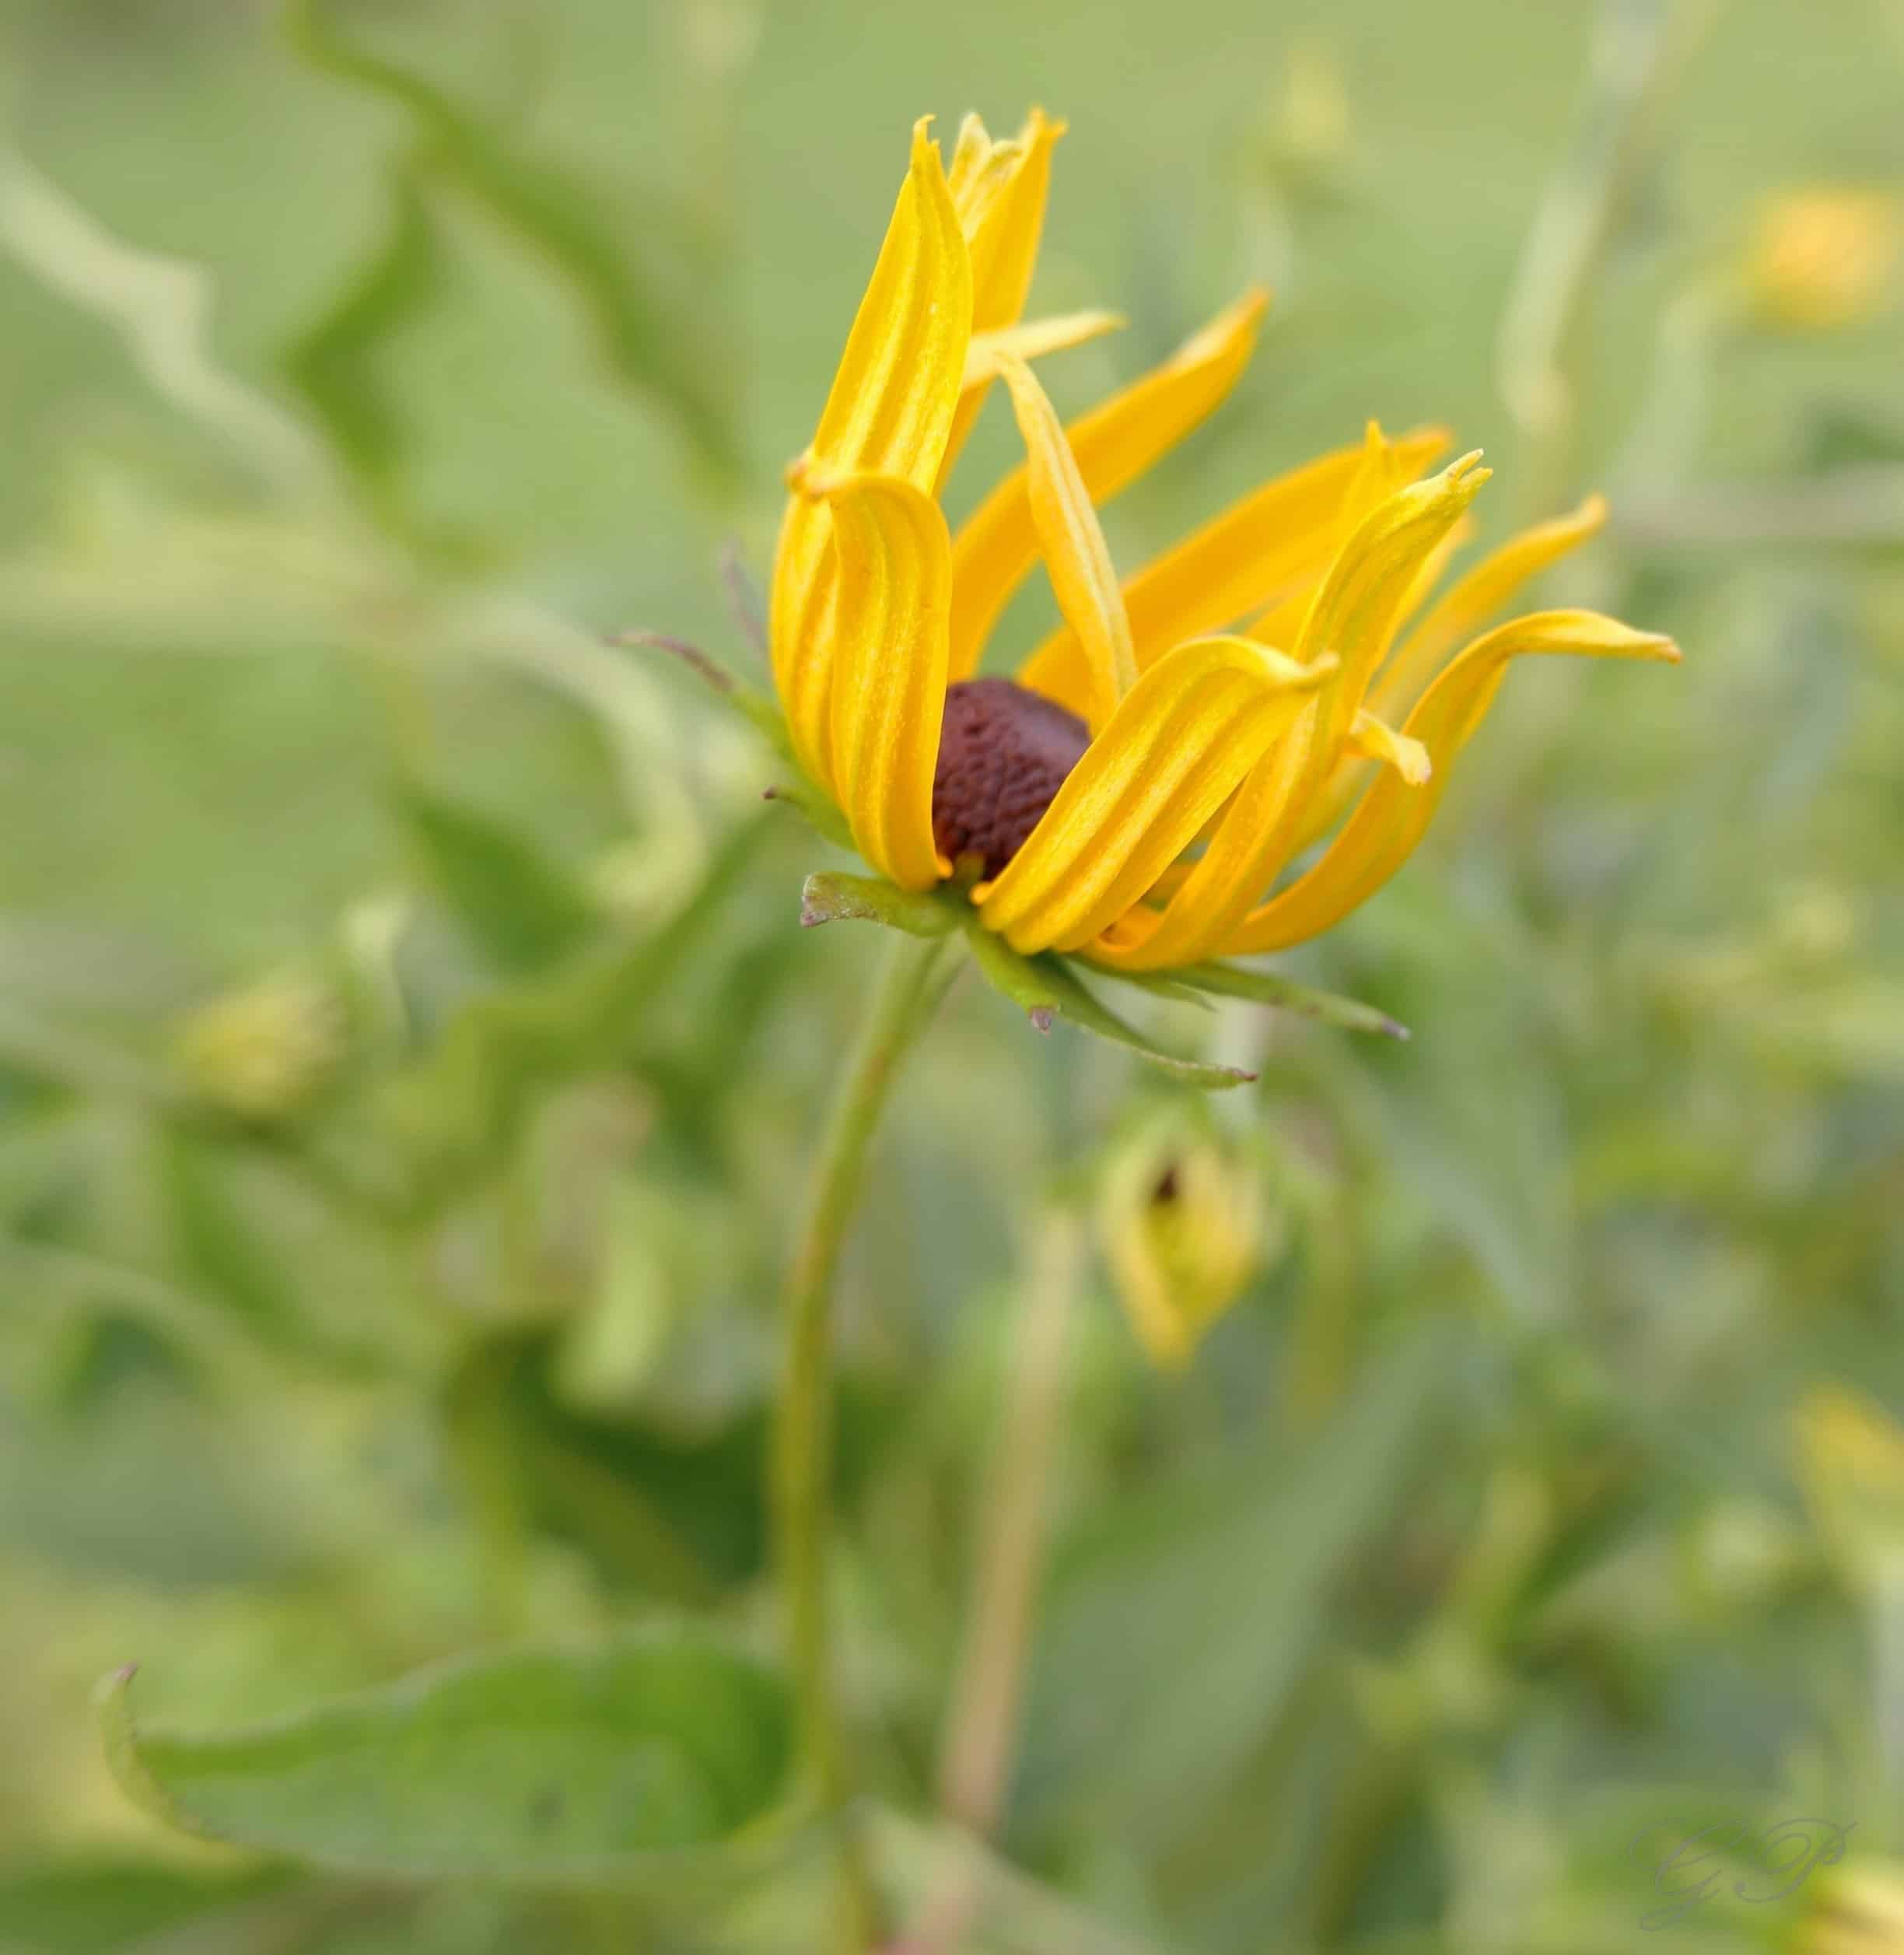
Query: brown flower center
[[1003, 753]]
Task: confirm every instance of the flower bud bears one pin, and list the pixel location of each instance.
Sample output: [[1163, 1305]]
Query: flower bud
[[1182, 1222], [263, 1054]]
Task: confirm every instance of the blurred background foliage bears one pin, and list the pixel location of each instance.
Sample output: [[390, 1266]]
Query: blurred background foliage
[[409, 1053]]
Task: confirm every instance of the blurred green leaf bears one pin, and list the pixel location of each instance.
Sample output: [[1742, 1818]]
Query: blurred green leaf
[[92, 1906], [1176, 1637], [463, 1105], [333, 363], [650, 343], [521, 907], [538, 1768]]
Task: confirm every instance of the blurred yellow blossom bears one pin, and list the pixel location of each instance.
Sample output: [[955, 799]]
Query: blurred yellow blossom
[[1184, 1227], [1822, 259], [1858, 1911], [1851, 1464]]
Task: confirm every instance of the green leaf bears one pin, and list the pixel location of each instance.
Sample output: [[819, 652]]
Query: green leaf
[[538, 1768], [651, 340], [827, 897], [464, 1105], [1181, 1628], [1265, 987], [88, 1906], [519, 906], [1046, 988]]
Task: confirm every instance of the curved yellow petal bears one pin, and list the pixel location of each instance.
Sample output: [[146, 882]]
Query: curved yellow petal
[[1391, 817], [1260, 552], [1373, 739], [1032, 339], [1476, 597], [1000, 194], [888, 686], [1076, 554], [1177, 744], [1114, 444], [889, 413], [1351, 615]]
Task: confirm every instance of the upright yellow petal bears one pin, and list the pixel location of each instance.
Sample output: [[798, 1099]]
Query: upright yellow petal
[[900, 378], [1274, 543], [1177, 744], [1114, 444], [1458, 614], [1351, 615], [1000, 194], [888, 690], [889, 413], [1075, 553], [1392, 817], [1477, 596]]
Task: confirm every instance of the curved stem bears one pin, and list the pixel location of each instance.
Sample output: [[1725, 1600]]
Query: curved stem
[[909, 989]]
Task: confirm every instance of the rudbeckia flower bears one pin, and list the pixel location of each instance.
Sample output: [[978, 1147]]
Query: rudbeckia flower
[[1133, 796]]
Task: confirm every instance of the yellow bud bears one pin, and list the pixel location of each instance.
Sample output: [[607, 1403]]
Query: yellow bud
[[1181, 1219], [1821, 260], [262, 1053], [1315, 120], [1858, 1910], [1851, 1465]]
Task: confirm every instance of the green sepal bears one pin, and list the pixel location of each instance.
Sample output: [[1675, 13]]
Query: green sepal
[[828, 897], [1046, 987], [1265, 987], [1159, 984]]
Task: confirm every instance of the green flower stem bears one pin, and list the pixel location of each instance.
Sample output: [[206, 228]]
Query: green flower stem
[[913, 982]]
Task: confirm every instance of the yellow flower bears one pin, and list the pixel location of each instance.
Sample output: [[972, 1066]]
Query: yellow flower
[[1228, 693], [1823, 259], [1182, 1222], [1858, 1911], [1850, 1458]]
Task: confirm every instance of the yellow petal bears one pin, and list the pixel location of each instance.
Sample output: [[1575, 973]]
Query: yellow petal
[[1272, 544], [1000, 197], [888, 687], [1475, 598], [1076, 554], [1373, 739], [889, 413], [1031, 339], [1391, 817], [1177, 744], [1346, 775], [1114, 444], [901, 376], [1351, 615]]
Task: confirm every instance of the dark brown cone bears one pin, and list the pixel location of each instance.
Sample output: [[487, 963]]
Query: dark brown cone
[[1003, 753]]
